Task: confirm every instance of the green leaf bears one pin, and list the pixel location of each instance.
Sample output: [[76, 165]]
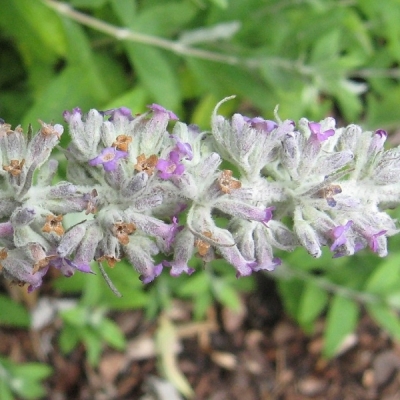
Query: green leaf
[[312, 302], [326, 47], [197, 284], [135, 99], [163, 18], [126, 11], [220, 3], [290, 291], [385, 278], [74, 284], [226, 294], [68, 339], [77, 316], [37, 27], [32, 371], [93, 346], [157, 73], [5, 391], [201, 304], [29, 390], [387, 318], [112, 334], [89, 3], [341, 320], [13, 313]]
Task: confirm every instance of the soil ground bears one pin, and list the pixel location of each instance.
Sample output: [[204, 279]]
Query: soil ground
[[256, 354]]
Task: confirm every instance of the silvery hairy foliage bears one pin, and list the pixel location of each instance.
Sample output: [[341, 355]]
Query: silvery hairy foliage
[[146, 192]]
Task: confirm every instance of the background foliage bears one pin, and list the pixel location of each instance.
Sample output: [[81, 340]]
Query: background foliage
[[313, 57]]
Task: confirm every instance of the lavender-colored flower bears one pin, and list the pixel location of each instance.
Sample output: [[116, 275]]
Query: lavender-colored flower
[[108, 158], [316, 128], [184, 149], [171, 166], [377, 142], [261, 124], [373, 241], [339, 235], [68, 267], [178, 267], [73, 117], [159, 110], [116, 113]]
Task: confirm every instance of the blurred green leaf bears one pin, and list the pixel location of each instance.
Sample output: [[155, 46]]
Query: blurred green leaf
[[312, 302], [32, 371], [111, 333], [93, 346], [88, 3], [77, 316], [68, 338], [37, 27], [196, 285], [290, 291], [226, 294], [385, 278], [13, 313], [387, 318], [5, 391], [341, 320], [157, 74], [202, 302]]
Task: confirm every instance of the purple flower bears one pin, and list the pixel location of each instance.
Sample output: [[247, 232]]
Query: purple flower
[[151, 274], [159, 110], [115, 113], [261, 124], [75, 115], [267, 264], [315, 128], [108, 158], [171, 166], [377, 142], [68, 267], [177, 267], [184, 149], [339, 234], [373, 242]]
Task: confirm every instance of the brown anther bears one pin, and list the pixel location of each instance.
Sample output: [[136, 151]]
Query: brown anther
[[53, 224], [40, 265], [122, 230], [3, 253], [91, 207], [6, 128], [201, 245], [48, 129], [146, 164], [328, 192], [15, 167], [3, 256], [18, 283], [122, 142], [226, 183], [110, 260]]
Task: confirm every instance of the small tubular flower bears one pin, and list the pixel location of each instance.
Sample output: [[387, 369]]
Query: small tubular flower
[[108, 158]]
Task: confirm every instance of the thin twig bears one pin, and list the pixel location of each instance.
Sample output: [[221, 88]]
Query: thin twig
[[137, 37], [108, 281], [125, 34]]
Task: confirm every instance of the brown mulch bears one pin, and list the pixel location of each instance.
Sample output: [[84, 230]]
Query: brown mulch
[[258, 353]]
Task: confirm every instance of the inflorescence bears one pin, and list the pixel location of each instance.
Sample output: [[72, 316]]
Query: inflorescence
[[132, 183]]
